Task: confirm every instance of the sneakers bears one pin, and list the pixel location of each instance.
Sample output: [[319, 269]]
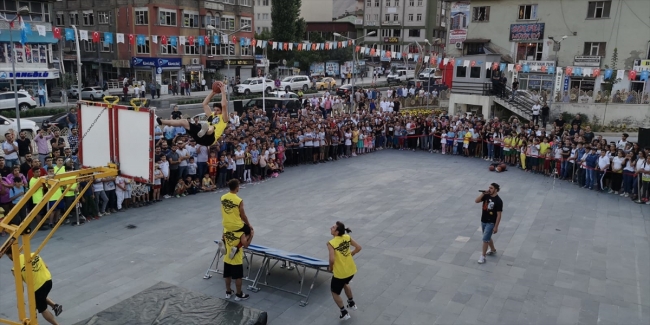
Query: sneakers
[[241, 296], [58, 309], [481, 260], [204, 128], [352, 305], [159, 120], [344, 315], [228, 293], [222, 248], [233, 252], [490, 252]]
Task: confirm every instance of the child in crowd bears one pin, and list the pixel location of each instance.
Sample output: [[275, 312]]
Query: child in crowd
[[191, 168], [248, 164], [213, 165], [443, 142], [263, 165], [451, 139], [164, 168], [361, 137], [157, 182], [180, 189], [232, 166], [207, 184], [522, 154], [223, 172]]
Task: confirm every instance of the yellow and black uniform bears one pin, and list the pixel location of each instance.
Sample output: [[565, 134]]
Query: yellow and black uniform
[[219, 125], [208, 140], [233, 268], [230, 217], [42, 280], [344, 267]]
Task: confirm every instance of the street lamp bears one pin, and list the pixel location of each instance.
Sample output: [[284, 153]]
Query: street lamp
[[212, 28], [556, 46], [24, 10], [354, 60]]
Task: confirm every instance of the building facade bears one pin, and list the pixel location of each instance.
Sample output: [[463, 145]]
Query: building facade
[[155, 19], [310, 11], [33, 59], [402, 25]]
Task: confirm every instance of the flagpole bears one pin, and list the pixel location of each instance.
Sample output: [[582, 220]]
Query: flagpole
[[13, 70], [76, 40]]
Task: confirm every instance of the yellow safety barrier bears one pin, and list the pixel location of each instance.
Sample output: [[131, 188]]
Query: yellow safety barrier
[[137, 103]]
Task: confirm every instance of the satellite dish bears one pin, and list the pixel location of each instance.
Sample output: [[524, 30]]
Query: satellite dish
[[284, 62]]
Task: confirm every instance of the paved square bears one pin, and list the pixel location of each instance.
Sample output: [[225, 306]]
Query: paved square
[[565, 255]]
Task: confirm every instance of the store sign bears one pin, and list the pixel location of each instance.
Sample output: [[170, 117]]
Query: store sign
[[537, 63], [587, 61], [527, 32], [566, 83], [391, 40], [121, 63], [240, 62], [194, 67], [215, 64], [156, 62], [38, 74]]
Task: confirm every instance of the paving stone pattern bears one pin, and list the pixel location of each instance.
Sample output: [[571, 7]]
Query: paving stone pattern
[[565, 255]]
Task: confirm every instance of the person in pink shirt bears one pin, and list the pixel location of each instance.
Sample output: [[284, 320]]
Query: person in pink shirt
[[42, 141], [328, 107]]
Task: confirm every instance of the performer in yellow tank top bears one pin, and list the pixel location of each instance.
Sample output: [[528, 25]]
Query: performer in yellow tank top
[[342, 266]]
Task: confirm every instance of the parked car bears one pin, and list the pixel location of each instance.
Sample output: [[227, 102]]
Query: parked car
[[73, 92], [281, 94], [430, 73], [59, 120], [295, 83], [25, 100], [326, 83], [255, 85], [344, 89], [292, 104], [92, 93], [27, 125], [400, 76]]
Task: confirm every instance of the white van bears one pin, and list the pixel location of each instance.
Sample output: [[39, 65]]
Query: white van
[[400, 76]]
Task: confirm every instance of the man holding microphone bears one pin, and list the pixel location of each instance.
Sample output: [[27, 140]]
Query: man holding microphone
[[490, 218]]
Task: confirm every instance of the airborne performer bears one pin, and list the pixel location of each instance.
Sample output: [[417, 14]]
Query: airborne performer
[[206, 133]]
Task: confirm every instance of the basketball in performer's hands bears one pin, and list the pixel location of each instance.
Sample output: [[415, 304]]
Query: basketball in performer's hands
[[216, 87]]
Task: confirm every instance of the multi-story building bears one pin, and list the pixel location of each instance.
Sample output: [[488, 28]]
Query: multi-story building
[[154, 19], [310, 11], [582, 35], [405, 25], [34, 63]]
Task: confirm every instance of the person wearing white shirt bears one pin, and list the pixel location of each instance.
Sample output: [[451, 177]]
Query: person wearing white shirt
[[616, 177], [536, 110], [203, 84], [603, 165], [622, 143], [10, 149], [389, 93]]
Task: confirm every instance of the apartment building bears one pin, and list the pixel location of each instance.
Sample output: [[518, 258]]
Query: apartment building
[[154, 19], [310, 11]]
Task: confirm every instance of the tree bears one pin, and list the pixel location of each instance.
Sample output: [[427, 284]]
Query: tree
[[609, 83], [285, 17]]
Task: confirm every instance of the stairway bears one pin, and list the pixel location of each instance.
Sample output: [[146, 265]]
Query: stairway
[[514, 107]]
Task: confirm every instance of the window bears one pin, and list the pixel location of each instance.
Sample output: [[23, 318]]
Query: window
[[265, 16], [227, 49], [143, 49], [247, 3], [396, 3], [103, 17], [411, 3], [73, 17], [368, 3], [376, 17], [228, 23], [530, 51], [475, 48], [212, 49], [246, 50], [481, 14], [210, 20], [265, 3], [191, 19], [414, 33], [395, 17], [89, 18], [167, 17], [527, 12], [368, 17], [39, 11], [89, 46], [461, 71], [475, 72], [387, 3], [142, 16], [386, 17], [168, 49], [246, 22], [191, 49], [106, 47], [419, 17], [594, 48], [232, 2], [377, 3], [419, 3], [598, 9], [60, 19], [397, 32], [410, 17]]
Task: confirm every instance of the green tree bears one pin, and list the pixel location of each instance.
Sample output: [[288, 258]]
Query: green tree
[[285, 17], [611, 81]]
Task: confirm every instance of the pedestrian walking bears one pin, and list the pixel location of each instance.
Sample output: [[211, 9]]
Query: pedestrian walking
[[41, 96], [492, 206], [342, 266]]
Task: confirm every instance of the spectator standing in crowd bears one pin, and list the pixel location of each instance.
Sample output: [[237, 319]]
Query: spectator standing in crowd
[[537, 108], [545, 114], [72, 118], [10, 149], [73, 139], [57, 143], [42, 144], [492, 206], [515, 87], [41, 96], [24, 146]]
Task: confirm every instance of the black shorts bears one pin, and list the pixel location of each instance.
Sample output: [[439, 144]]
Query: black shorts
[[337, 284], [206, 140], [233, 271], [246, 229], [41, 296]]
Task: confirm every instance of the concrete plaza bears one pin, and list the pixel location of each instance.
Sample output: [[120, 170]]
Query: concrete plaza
[[565, 255]]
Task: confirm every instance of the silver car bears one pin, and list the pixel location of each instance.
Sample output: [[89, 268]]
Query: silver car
[[92, 93]]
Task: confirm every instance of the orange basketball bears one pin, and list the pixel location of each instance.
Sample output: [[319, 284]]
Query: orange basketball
[[503, 167], [216, 87], [498, 169], [491, 168]]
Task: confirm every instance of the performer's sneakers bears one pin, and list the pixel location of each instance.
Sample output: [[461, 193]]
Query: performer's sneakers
[[204, 128], [228, 294], [58, 309], [352, 305], [233, 252], [344, 315], [242, 296], [222, 248]]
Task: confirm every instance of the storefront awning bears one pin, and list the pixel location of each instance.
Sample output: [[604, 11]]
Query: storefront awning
[[33, 38]]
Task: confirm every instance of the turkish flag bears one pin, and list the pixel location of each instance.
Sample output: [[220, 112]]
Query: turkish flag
[[285, 46], [356, 49], [131, 39], [388, 54], [472, 64], [299, 46], [190, 39], [596, 72], [163, 39], [95, 37], [57, 32], [234, 39], [632, 74], [543, 68], [568, 71], [206, 40]]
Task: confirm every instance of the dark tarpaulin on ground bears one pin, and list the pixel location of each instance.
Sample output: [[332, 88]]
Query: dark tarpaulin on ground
[[168, 304]]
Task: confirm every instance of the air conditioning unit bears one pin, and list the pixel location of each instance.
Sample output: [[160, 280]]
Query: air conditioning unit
[[459, 45], [196, 61]]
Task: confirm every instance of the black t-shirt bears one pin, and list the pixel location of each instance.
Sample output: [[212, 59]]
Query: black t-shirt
[[491, 205], [576, 122], [589, 136], [4, 171], [566, 152], [559, 123], [176, 115], [396, 106], [545, 110], [515, 85], [60, 142], [23, 146]]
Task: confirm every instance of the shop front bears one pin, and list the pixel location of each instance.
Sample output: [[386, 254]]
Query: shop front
[[582, 82], [194, 74], [29, 80], [147, 69], [537, 80], [211, 68], [241, 69], [529, 41]]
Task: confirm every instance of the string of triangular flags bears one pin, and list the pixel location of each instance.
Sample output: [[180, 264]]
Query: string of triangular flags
[[217, 39]]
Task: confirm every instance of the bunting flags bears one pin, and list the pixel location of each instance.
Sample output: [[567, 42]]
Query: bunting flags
[[56, 31]]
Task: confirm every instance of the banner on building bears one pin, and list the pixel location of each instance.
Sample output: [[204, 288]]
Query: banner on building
[[459, 22]]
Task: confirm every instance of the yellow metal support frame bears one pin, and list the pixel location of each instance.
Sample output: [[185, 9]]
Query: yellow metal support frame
[[63, 181]]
